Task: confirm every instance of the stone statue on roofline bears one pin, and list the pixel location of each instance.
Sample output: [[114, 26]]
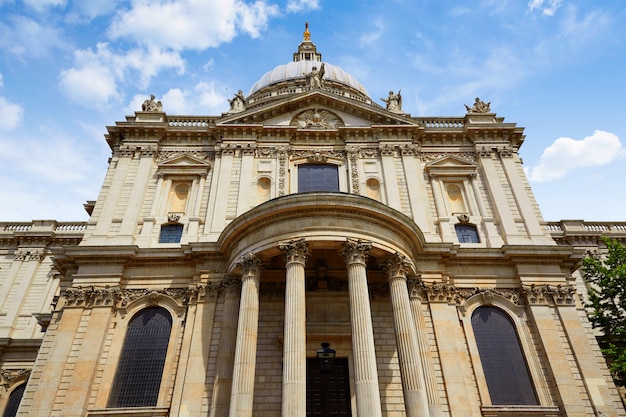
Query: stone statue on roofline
[[479, 107], [151, 105], [314, 79], [237, 103], [393, 102]]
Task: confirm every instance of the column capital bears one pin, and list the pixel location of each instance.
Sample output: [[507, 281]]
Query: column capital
[[356, 251], [397, 266], [296, 250], [250, 264]]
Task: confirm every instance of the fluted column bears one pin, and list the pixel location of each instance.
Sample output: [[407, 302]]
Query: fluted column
[[428, 367], [241, 398], [415, 399], [222, 383], [364, 355], [294, 347]]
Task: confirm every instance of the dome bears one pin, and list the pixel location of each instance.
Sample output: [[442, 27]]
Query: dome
[[296, 70]]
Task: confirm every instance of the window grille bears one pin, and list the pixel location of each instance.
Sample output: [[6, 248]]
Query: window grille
[[318, 177], [502, 358], [140, 368], [14, 401], [171, 233], [467, 233]]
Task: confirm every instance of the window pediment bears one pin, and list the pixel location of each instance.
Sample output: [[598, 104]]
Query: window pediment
[[451, 166], [183, 164]]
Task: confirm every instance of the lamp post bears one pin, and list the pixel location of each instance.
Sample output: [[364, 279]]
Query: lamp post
[[326, 358]]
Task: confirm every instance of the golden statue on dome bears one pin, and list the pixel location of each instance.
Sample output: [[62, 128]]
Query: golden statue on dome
[[307, 34]]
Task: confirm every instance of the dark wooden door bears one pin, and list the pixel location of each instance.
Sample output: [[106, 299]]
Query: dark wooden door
[[327, 394]]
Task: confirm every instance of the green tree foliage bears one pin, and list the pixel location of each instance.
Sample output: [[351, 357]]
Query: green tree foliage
[[607, 299]]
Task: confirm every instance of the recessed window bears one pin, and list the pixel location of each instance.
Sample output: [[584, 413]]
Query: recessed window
[[467, 233], [502, 358], [318, 177], [171, 233], [14, 401], [140, 368]]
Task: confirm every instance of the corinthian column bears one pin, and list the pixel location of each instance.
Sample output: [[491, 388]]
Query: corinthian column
[[294, 348], [364, 355], [247, 330], [415, 399]]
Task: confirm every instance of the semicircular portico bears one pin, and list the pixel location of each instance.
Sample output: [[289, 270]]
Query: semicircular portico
[[325, 221]]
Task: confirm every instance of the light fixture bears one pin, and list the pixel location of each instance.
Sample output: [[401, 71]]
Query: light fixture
[[326, 357]]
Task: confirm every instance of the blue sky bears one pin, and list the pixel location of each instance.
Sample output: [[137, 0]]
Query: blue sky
[[69, 68]]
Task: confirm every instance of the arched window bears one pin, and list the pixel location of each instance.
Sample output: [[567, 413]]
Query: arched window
[[171, 233], [317, 177], [467, 233], [502, 358], [140, 368], [14, 401]]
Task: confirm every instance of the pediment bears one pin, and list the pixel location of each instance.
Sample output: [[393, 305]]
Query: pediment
[[451, 165], [317, 109], [182, 163]]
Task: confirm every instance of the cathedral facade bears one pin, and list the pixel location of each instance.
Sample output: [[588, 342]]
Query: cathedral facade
[[307, 253]]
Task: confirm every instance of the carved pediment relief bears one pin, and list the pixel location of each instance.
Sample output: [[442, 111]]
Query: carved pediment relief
[[317, 119], [333, 110], [450, 165], [183, 163]]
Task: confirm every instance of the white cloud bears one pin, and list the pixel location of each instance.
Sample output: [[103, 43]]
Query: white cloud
[[190, 24], [295, 6], [204, 98], [41, 5], [547, 7], [366, 39], [95, 79], [10, 114], [567, 154], [24, 36]]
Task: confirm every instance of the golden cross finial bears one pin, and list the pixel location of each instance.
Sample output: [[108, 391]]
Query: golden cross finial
[[307, 34]]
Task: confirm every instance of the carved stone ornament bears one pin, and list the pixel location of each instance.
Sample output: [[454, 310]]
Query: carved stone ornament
[[151, 104], [168, 155], [354, 169], [316, 157], [119, 298], [479, 107], [173, 217], [317, 119], [29, 255], [440, 292], [7, 376], [433, 156], [463, 218], [295, 251], [549, 294], [397, 265], [355, 251], [250, 264]]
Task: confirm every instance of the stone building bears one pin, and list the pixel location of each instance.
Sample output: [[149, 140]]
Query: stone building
[[222, 251]]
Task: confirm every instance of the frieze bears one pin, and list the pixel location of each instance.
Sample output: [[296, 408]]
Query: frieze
[[8, 376], [549, 294], [433, 156], [26, 255]]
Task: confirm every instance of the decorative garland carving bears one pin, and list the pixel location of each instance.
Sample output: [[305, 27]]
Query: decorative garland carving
[[202, 155], [317, 156], [433, 156], [440, 292], [549, 294], [282, 168], [266, 152], [369, 152], [410, 150], [7, 376], [119, 298], [354, 168]]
